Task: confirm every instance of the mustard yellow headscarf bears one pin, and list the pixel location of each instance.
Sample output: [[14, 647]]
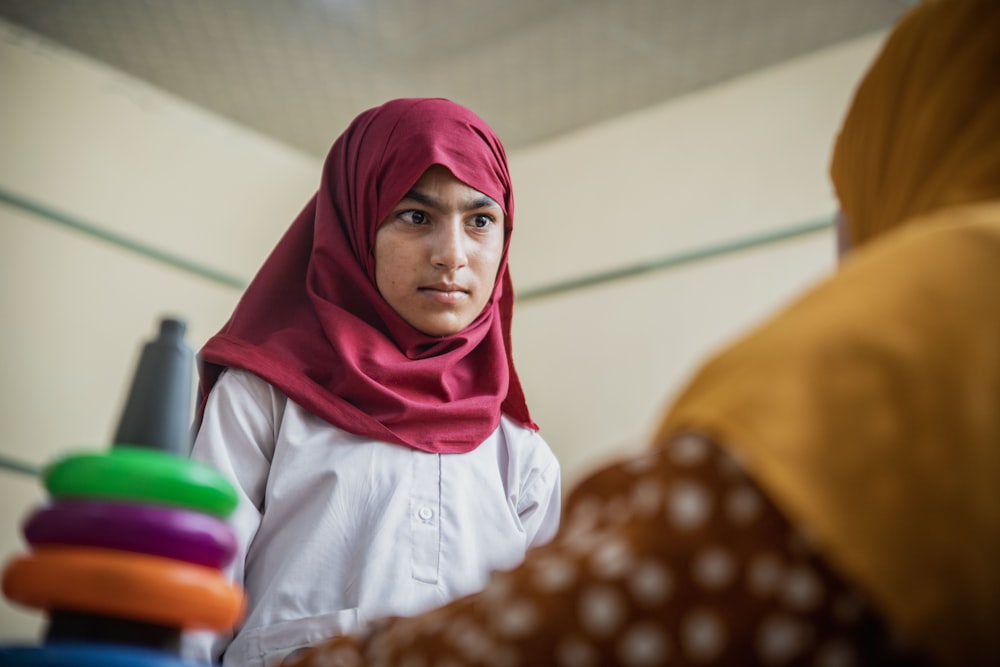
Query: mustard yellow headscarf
[[870, 408]]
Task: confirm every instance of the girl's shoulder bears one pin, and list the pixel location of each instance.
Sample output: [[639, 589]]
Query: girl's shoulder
[[236, 381], [525, 443]]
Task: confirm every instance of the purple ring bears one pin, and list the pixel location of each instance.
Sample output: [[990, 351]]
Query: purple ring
[[170, 532]]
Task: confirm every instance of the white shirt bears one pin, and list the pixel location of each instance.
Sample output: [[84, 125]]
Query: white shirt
[[336, 529]]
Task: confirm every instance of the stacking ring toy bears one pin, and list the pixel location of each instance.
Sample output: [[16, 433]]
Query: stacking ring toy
[[125, 585], [85, 654], [141, 475], [176, 533]]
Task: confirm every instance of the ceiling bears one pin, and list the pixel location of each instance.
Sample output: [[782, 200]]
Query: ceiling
[[300, 70]]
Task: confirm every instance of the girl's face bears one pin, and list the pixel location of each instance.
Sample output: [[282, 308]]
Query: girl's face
[[437, 253]]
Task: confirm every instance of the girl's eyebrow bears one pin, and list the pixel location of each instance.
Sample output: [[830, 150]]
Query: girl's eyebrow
[[481, 201], [484, 201], [421, 198]]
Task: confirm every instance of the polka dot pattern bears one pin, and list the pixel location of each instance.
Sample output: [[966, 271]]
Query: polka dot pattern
[[644, 645], [602, 610], [650, 584], [703, 635], [674, 557]]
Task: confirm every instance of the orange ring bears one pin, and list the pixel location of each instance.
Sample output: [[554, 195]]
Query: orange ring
[[124, 585]]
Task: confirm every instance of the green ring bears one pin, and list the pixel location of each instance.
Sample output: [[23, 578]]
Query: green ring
[[141, 475]]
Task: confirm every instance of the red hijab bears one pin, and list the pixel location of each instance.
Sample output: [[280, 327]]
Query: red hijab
[[314, 325]]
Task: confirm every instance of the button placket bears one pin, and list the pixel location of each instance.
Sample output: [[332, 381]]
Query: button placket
[[425, 510]]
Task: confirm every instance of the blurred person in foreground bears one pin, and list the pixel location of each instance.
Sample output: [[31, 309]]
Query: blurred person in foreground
[[826, 491]]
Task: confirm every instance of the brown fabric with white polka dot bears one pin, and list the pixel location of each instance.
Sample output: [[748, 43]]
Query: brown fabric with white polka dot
[[674, 557]]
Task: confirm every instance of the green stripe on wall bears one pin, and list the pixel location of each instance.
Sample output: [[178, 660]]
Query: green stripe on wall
[[673, 261], [122, 241], [14, 465], [660, 264]]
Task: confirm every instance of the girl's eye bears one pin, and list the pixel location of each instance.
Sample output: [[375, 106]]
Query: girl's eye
[[414, 217], [482, 221]]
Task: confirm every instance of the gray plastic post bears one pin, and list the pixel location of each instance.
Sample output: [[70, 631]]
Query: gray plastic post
[[157, 413]]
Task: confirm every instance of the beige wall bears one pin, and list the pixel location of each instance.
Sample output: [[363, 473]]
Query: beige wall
[[745, 158], [104, 149], [734, 162]]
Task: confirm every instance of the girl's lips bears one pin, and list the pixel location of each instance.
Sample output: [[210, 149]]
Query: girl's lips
[[449, 295]]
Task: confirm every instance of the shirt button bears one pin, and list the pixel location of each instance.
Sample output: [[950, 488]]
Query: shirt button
[[425, 513]]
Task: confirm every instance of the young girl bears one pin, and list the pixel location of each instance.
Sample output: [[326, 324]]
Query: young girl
[[363, 397]]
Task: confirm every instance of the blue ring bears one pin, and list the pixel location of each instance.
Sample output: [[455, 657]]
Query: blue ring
[[84, 654]]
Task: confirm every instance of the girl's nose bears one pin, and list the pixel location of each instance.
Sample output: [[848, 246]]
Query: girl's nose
[[448, 246]]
